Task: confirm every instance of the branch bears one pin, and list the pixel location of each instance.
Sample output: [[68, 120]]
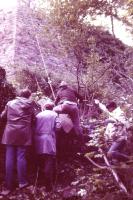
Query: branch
[[104, 167], [101, 75], [114, 173], [94, 163]]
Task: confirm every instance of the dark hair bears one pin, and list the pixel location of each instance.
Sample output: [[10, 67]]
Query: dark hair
[[49, 105], [111, 105], [25, 93]]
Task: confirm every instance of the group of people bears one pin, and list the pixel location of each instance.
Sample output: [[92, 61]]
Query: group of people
[[24, 127]]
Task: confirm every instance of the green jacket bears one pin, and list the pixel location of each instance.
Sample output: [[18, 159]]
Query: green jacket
[[19, 115]]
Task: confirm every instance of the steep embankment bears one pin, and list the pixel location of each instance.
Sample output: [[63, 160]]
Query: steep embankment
[[30, 41]]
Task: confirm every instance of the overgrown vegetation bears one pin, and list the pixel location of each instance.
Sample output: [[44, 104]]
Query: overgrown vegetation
[[102, 68], [7, 92]]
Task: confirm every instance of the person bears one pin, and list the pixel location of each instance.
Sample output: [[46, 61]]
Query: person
[[116, 131], [17, 136], [45, 142], [66, 102]]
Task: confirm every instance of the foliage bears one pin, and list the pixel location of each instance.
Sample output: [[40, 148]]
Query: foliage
[[69, 13], [32, 80], [7, 92], [101, 68]]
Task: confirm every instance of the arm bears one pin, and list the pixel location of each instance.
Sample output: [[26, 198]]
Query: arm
[[103, 108], [118, 117], [3, 120], [3, 115]]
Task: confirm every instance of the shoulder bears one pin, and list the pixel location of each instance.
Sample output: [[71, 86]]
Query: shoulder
[[52, 112], [47, 112], [25, 100], [11, 102]]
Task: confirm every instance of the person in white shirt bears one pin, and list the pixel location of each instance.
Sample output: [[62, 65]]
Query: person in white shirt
[[116, 130]]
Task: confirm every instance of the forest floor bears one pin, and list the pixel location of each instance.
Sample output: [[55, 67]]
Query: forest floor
[[77, 179]]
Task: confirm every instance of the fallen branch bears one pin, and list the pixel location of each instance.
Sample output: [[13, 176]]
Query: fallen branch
[[94, 163], [35, 185], [120, 184], [105, 167]]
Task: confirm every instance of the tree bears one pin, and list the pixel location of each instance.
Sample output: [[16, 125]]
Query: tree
[[7, 92]]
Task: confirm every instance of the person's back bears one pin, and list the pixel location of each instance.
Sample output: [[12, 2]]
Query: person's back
[[45, 132], [19, 114], [67, 104], [45, 121], [19, 110], [19, 118], [66, 93], [45, 143]]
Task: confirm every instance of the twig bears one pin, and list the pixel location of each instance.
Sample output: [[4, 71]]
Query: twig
[[94, 163], [37, 174]]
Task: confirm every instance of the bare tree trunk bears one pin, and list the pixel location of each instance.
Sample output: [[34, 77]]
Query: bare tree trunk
[[77, 76], [111, 17], [112, 24], [15, 32]]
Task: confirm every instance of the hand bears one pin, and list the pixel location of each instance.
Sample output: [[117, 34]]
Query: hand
[[96, 101]]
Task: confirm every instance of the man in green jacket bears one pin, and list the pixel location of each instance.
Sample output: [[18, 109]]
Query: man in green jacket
[[19, 114]]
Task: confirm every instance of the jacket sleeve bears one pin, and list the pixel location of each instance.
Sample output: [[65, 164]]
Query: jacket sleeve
[[3, 120], [3, 115]]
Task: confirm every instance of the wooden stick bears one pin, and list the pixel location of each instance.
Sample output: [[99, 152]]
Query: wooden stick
[[105, 167], [94, 163], [121, 185], [37, 174]]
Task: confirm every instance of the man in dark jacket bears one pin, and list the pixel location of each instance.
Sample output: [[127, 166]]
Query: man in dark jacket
[[17, 136], [66, 101]]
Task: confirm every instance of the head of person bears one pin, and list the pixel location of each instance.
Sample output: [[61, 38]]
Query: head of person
[[63, 84], [111, 106], [48, 105], [26, 93]]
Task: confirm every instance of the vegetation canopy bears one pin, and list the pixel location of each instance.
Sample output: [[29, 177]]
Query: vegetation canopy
[[66, 45]]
